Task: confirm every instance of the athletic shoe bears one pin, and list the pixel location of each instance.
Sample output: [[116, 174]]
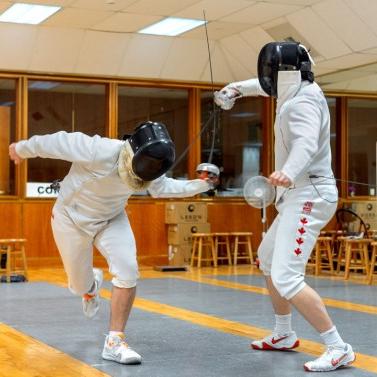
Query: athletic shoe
[[332, 359], [90, 302], [116, 349], [277, 342]]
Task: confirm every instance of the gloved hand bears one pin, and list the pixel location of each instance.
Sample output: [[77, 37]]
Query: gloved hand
[[227, 96], [210, 173]]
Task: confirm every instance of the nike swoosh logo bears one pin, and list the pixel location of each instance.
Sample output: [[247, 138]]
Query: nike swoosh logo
[[274, 341], [335, 362]]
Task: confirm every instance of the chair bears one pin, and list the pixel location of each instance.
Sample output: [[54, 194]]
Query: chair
[[373, 262], [242, 239], [322, 256], [203, 243], [222, 240], [13, 251]]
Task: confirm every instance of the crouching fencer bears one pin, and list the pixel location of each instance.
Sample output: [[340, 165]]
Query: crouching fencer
[[90, 211], [306, 195]]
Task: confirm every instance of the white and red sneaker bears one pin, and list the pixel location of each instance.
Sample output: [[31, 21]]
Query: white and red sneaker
[[277, 342], [116, 349], [332, 359]]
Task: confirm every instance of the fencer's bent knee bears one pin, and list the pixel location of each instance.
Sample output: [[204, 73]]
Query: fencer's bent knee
[[287, 283], [264, 261], [123, 283]]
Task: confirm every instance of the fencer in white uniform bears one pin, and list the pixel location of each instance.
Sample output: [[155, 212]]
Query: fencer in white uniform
[[306, 195], [90, 210]]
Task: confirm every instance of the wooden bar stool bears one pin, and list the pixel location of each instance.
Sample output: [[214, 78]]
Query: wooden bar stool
[[14, 251], [203, 243], [356, 255], [322, 255], [223, 240], [242, 238], [373, 262]]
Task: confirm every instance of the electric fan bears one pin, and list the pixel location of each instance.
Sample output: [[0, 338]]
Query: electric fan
[[259, 193]]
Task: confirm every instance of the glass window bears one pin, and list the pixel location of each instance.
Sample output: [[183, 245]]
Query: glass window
[[169, 106], [62, 106], [237, 142], [7, 134], [362, 137]]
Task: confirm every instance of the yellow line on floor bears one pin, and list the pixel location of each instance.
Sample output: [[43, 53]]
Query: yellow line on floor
[[366, 362], [330, 302], [24, 356]]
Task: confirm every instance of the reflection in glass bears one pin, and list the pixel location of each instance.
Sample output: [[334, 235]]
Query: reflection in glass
[[62, 106], [7, 135], [168, 106], [362, 137], [237, 142]]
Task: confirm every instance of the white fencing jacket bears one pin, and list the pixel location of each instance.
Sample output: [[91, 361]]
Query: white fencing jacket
[[302, 132], [92, 192]]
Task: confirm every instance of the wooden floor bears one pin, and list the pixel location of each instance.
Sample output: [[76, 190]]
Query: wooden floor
[[24, 356]]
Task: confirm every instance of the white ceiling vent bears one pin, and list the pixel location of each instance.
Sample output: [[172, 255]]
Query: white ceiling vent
[[286, 32]]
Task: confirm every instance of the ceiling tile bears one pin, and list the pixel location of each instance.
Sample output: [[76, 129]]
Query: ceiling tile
[[339, 17], [216, 30], [96, 49], [241, 51], [62, 3], [293, 2], [366, 9], [77, 18], [214, 9], [186, 60], [318, 34], [126, 22], [102, 4], [239, 72], [16, 58], [137, 61], [160, 7], [256, 38], [4, 5], [56, 49], [348, 61], [259, 13]]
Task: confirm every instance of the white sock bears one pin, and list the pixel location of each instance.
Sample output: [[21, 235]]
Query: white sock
[[332, 338], [115, 333], [283, 324]]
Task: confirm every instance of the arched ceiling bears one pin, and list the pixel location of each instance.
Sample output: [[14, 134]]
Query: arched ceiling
[[99, 37]]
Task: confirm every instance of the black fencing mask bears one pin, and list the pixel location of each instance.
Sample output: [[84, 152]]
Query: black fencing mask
[[153, 150], [282, 56]]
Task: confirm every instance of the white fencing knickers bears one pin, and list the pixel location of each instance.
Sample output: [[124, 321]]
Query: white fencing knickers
[[286, 247], [115, 241]]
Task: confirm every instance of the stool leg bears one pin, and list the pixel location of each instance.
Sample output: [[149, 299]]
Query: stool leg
[[216, 247], [249, 249], [8, 265], [372, 263], [329, 257], [340, 252], [193, 252], [200, 252], [235, 250], [23, 256], [348, 261], [227, 245], [365, 258], [213, 251]]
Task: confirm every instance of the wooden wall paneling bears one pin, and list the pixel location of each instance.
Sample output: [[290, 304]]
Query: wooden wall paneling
[[41, 248], [148, 224], [193, 131], [11, 220], [4, 143]]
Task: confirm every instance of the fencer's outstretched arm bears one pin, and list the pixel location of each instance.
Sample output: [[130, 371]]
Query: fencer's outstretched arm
[[304, 126], [247, 88], [165, 187], [73, 147]]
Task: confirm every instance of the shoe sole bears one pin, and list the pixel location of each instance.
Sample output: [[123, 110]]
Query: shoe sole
[[267, 347], [131, 361], [341, 365]]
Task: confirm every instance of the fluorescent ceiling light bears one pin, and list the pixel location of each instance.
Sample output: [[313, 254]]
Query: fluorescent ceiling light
[[22, 13], [172, 26]]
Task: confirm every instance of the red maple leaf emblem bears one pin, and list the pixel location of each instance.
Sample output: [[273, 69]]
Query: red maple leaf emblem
[[301, 230], [299, 241], [298, 251], [304, 220]]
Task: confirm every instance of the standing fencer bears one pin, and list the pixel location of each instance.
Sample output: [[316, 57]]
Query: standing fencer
[[306, 195], [90, 211]]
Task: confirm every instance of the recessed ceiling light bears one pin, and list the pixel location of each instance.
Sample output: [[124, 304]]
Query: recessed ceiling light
[[172, 26], [22, 13]]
